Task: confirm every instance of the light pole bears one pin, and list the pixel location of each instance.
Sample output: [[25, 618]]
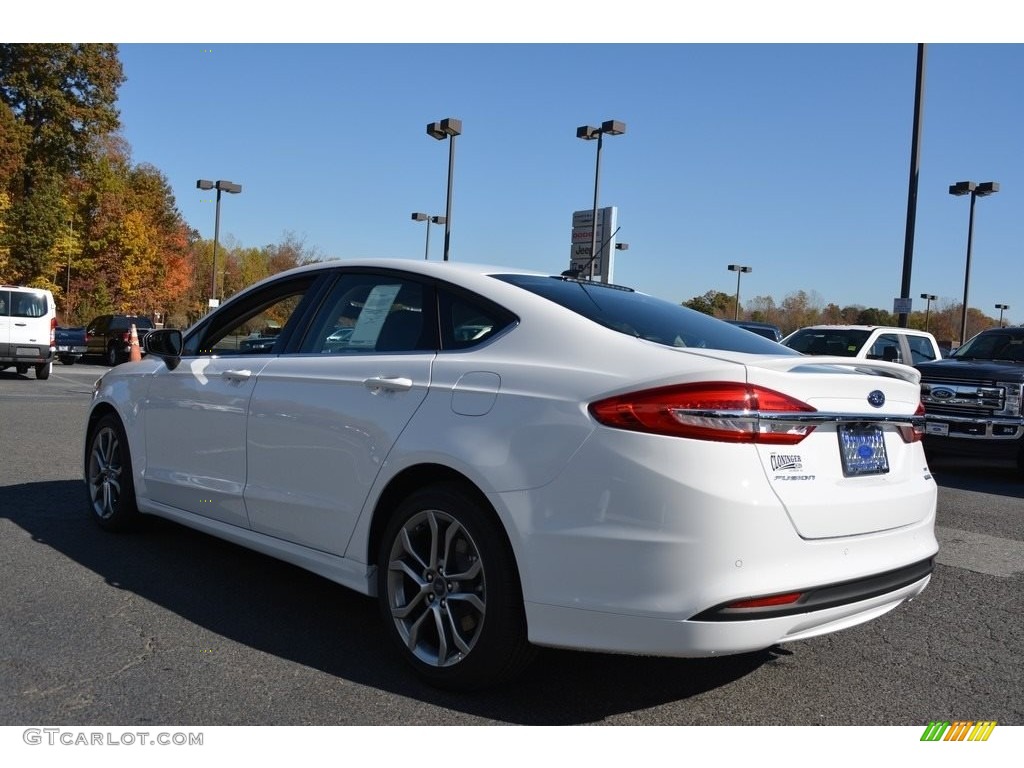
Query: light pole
[[448, 128], [975, 191], [430, 220], [589, 133], [928, 297], [220, 186], [1001, 307], [739, 270]]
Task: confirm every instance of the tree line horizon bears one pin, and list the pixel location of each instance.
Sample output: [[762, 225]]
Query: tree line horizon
[[104, 234]]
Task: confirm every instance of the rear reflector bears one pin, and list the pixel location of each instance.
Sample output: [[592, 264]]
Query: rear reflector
[[765, 602], [724, 411]]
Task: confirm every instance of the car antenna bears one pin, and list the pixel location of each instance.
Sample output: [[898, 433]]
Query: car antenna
[[575, 273]]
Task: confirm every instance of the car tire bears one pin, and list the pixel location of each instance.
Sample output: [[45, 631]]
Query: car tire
[[449, 591], [21, 369], [68, 360], [108, 475], [113, 358], [43, 370]]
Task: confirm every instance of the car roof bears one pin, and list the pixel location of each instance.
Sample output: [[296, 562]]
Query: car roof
[[862, 328], [467, 274]]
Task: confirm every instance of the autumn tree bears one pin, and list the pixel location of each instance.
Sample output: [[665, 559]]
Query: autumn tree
[[55, 101]]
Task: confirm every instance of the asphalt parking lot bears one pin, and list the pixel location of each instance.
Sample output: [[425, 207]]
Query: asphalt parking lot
[[167, 625]]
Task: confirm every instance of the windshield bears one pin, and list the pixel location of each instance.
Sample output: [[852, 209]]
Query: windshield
[[645, 317], [994, 345], [845, 342]]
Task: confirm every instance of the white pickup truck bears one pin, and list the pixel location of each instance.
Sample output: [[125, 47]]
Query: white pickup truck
[[867, 342]]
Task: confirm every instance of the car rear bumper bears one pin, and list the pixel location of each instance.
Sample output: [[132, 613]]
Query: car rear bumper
[[564, 627], [633, 541], [25, 354]]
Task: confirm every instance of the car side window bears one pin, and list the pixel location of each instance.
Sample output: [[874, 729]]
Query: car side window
[[467, 320], [886, 347], [254, 326], [367, 312], [921, 349]]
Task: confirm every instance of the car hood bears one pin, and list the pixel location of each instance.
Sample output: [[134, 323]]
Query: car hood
[[967, 368]]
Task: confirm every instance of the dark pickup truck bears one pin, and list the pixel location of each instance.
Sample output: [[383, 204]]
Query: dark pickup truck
[[70, 343], [972, 399]]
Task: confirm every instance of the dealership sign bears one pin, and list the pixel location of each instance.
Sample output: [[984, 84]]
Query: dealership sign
[[601, 266]]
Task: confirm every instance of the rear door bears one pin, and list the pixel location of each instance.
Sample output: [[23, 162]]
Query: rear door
[[95, 335], [858, 458], [29, 322], [322, 422], [5, 320]]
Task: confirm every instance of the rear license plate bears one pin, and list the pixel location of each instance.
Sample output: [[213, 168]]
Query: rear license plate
[[63, 348], [862, 448], [932, 428]]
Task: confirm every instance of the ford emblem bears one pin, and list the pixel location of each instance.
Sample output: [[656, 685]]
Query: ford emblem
[[942, 393], [876, 399]]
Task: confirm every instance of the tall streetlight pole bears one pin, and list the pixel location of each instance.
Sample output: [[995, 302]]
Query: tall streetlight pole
[[915, 164], [928, 297], [1001, 307], [589, 133], [430, 220], [448, 128], [220, 186], [739, 270], [975, 191]]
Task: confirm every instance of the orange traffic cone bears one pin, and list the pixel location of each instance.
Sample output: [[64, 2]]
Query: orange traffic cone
[[136, 353]]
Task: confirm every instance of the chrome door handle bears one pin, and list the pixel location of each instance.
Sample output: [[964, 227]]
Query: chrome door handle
[[388, 383], [236, 375]]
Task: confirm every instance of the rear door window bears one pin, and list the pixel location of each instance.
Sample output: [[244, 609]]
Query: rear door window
[[921, 349], [374, 312], [23, 304]]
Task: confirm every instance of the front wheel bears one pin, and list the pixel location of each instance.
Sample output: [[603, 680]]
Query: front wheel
[[109, 475], [449, 590]]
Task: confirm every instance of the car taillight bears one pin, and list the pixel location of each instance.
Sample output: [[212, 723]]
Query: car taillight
[[53, 331], [724, 411], [915, 432]]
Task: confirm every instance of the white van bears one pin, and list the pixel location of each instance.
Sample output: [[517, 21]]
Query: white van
[[28, 328]]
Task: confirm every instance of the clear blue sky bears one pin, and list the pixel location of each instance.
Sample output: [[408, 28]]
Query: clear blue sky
[[790, 158]]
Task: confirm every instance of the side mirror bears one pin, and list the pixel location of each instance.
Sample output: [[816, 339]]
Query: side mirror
[[166, 344]]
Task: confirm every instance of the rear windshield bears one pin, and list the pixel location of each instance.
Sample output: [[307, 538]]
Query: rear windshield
[[843, 342], [119, 323], [637, 314], [23, 304]]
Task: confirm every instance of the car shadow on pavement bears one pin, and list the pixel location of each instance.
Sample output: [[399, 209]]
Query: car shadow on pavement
[[968, 474], [270, 606]]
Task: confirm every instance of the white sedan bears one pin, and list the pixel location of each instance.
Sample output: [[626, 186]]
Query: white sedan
[[508, 460]]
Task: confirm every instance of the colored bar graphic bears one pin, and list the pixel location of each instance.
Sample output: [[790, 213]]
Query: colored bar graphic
[[960, 730]]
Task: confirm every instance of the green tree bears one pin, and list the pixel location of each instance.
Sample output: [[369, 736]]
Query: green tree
[[714, 303], [63, 96]]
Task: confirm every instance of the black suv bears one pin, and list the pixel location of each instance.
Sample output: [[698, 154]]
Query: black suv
[[109, 336]]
